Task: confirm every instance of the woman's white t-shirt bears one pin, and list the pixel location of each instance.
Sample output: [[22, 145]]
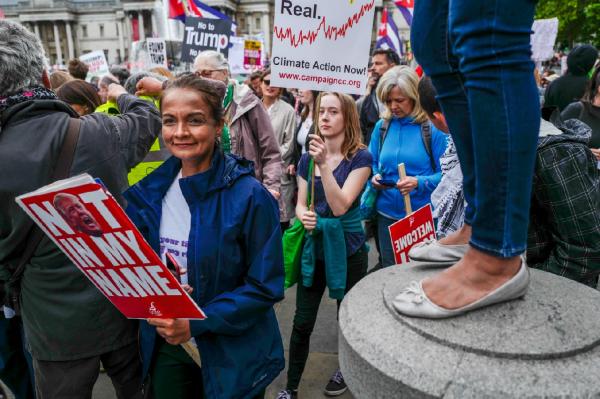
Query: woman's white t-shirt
[[175, 225]]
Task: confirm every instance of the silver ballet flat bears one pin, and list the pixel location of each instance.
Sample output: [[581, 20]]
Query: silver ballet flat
[[413, 301], [434, 252]]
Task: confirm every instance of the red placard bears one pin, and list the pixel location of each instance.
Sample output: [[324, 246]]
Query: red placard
[[90, 227], [415, 228]]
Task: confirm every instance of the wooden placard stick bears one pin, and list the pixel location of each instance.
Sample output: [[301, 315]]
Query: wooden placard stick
[[312, 188], [193, 352], [402, 174]]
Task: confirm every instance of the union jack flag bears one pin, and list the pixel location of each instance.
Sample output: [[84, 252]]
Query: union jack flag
[[179, 9], [406, 9], [387, 35]]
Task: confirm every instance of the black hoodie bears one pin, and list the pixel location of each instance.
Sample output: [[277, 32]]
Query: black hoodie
[[571, 86]]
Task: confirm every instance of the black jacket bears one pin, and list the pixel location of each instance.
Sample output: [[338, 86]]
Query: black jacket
[[65, 316], [571, 86], [369, 116]]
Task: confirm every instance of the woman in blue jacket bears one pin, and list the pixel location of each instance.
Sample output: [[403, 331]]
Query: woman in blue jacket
[[208, 210], [404, 141]]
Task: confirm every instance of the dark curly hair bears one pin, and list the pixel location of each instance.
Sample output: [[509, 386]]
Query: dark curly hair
[[78, 69]]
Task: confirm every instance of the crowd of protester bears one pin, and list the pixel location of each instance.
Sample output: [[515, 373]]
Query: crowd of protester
[[227, 168]]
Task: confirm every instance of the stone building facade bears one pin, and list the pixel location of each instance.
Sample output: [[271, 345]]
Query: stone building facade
[[69, 28]]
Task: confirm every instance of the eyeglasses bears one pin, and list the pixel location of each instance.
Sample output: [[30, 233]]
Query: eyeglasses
[[207, 73], [267, 82]]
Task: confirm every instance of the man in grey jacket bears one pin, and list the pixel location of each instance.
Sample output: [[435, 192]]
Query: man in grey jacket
[[69, 325]]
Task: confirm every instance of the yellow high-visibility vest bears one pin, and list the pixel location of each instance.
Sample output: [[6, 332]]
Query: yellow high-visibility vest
[[157, 154]]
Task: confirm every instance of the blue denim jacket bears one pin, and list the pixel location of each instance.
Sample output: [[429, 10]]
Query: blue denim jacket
[[404, 143], [235, 264]]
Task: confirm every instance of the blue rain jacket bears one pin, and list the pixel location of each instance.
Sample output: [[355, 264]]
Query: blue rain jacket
[[404, 144], [235, 265]]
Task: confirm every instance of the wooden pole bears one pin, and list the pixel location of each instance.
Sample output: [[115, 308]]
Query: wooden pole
[[312, 189], [402, 174], [192, 350]]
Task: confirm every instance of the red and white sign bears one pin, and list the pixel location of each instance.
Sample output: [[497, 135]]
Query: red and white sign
[[96, 62], [90, 227], [413, 229]]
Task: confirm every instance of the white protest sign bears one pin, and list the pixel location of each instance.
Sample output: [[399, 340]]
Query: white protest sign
[[543, 38], [157, 53], [138, 56], [96, 62], [322, 45], [236, 55]]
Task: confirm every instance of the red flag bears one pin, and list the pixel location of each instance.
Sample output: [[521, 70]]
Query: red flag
[[2, 14], [383, 25], [176, 9], [405, 3], [134, 29]]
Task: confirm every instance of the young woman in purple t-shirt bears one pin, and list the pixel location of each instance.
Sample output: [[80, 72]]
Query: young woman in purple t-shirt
[[342, 166]]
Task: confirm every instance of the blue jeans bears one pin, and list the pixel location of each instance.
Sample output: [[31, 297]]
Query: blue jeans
[[477, 53], [386, 251], [15, 362]]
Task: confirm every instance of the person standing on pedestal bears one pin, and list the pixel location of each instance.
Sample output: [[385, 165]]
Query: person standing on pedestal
[[478, 55]]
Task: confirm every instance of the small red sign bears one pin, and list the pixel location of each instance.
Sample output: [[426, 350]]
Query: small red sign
[[413, 229]]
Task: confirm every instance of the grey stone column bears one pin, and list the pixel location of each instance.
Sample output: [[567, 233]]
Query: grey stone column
[[121, 41], [141, 30], [36, 29], [153, 20], [59, 57], [129, 27], [70, 48], [266, 31]]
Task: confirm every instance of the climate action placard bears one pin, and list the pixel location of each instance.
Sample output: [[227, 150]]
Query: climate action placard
[[322, 45]]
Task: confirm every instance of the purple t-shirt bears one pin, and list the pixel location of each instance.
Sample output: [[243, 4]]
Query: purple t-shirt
[[361, 159]]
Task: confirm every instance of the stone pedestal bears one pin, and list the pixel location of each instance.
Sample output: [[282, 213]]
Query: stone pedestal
[[545, 345]]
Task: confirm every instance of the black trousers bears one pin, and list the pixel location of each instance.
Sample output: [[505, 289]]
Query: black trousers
[[308, 300], [75, 379]]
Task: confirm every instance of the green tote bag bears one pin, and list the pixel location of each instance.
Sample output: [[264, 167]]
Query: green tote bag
[[292, 243]]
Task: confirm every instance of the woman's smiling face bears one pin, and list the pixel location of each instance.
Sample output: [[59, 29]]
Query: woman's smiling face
[[188, 129]]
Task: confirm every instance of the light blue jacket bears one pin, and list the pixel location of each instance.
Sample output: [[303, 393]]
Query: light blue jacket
[[404, 143]]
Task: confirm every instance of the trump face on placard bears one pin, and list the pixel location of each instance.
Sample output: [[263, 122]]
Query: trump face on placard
[[76, 215]]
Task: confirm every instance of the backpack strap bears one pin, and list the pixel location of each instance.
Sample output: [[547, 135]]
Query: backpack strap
[[35, 234], [383, 131], [426, 137]]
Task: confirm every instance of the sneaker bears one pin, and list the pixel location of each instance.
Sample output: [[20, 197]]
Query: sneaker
[[287, 394], [336, 385]]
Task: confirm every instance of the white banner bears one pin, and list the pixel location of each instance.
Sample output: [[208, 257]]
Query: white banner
[[236, 56], [322, 45], [96, 62], [543, 38]]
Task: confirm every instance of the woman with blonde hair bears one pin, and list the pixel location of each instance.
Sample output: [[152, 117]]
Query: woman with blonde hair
[[334, 252], [403, 135]]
